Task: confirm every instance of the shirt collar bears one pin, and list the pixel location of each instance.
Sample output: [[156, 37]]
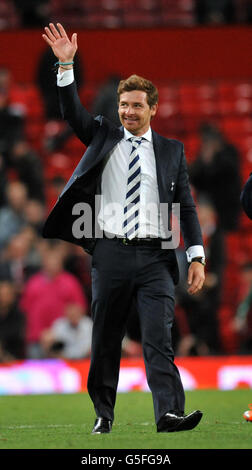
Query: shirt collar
[[147, 135]]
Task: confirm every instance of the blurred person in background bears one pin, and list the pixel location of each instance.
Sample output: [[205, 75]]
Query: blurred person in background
[[105, 102], [11, 117], [247, 14], [33, 13], [47, 85], [246, 197], [12, 218], [12, 324], [20, 257], [69, 337], [34, 213], [3, 181], [242, 323], [46, 295], [201, 310], [28, 166], [5, 80], [55, 184], [215, 174], [216, 12], [48, 91], [78, 262], [11, 126]]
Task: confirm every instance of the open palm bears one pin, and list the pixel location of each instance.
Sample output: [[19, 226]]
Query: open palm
[[58, 40]]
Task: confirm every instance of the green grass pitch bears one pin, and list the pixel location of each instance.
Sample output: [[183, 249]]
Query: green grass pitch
[[65, 422]]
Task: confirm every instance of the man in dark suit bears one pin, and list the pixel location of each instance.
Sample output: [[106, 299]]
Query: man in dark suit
[[131, 167], [246, 197]]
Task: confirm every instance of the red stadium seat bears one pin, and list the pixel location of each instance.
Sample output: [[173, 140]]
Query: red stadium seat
[[237, 126], [101, 19], [168, 109], [244, 144], [143, 5], [58, 164], [191, 145], [74, 146], [139, 18], [198, 90], [234, 90], [167, 93], [228, 337], [246, 226], [246, 169], [204, 108], [238, 106]]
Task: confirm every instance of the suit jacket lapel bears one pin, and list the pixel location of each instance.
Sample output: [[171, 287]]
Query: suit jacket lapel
[[164, 163], [115, 135], [91, 159]]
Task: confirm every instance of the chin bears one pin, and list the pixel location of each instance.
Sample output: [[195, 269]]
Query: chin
[[130, 127]]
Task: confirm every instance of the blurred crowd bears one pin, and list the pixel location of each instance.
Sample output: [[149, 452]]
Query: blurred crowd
[[123, 13], [45, 285]]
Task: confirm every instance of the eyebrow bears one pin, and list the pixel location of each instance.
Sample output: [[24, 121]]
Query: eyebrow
[[136, 102]]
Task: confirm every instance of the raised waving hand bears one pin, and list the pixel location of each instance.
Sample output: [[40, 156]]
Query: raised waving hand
[[58, 40]]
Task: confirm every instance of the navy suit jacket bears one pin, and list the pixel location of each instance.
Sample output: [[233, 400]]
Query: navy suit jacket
[[246, 197], [100, 136]]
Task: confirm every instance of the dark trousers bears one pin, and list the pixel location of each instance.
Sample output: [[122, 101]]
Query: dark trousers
[[120, 273]]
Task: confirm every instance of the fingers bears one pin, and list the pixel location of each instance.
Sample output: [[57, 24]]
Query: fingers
[[49, 34], [62, 30], [54, 31], [52, 34], [46, 38], [74, 40], [195, 286], [196, 278], [190, 277]]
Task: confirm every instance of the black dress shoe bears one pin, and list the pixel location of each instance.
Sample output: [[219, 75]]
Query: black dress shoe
[[172, 422], [102, 425]]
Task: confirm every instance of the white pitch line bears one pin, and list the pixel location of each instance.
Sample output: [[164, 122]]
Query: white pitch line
[[43, 426], [34, 426]]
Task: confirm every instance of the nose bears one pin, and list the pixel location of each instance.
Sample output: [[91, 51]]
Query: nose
[[129, 110]]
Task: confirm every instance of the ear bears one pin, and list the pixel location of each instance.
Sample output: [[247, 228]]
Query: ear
[[154, 110]]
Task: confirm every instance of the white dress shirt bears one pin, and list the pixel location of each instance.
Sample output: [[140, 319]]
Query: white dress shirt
[[114, 184], [114, 188]]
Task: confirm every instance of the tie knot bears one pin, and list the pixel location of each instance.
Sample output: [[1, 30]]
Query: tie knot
[[136, 141]]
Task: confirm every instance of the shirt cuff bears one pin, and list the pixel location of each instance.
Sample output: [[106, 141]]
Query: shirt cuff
[[193, 251], [65, 78]]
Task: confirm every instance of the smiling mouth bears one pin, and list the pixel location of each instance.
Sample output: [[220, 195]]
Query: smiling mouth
[[129, 119]]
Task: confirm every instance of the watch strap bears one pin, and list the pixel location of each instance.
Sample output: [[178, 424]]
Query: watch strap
[[199, 259]]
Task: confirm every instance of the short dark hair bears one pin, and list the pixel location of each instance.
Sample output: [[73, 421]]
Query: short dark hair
[[135, 82]]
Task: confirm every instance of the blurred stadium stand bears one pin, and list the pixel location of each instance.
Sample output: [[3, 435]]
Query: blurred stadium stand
[[183, 105], [95, 14]]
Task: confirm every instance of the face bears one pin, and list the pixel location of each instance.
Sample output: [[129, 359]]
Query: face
[[17, 195], [74, 313], [52, 262], [7, 296], [134, 112]]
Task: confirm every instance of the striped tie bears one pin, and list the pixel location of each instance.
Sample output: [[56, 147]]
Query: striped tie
[[132, 203]]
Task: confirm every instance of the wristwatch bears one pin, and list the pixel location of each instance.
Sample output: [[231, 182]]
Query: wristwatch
[[199, 259]]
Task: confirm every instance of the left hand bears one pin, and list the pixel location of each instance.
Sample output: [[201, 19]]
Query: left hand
[[196, 277], [63, 47]]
